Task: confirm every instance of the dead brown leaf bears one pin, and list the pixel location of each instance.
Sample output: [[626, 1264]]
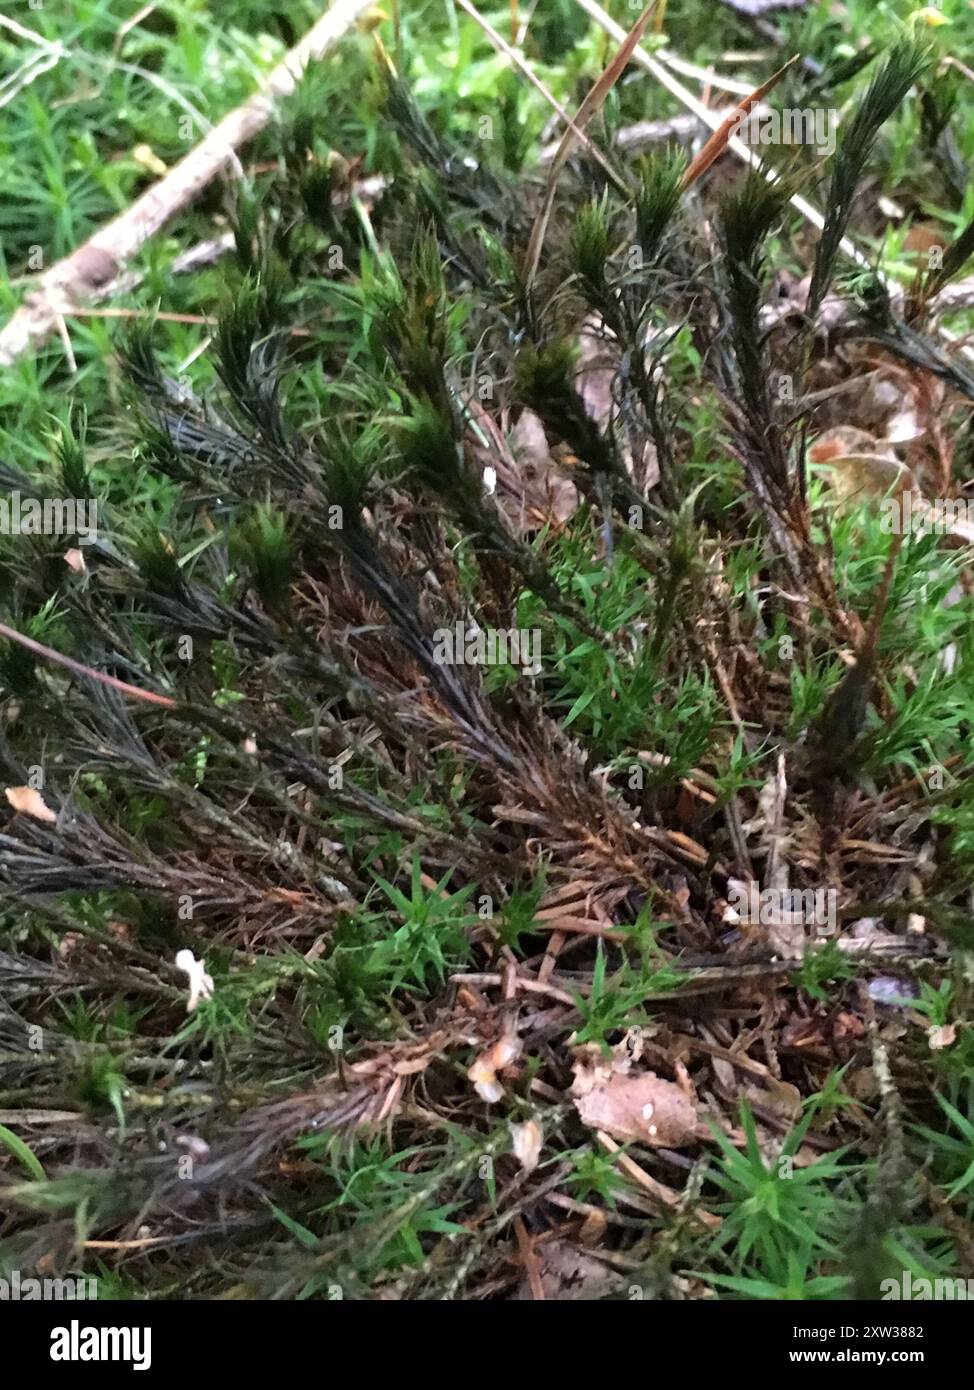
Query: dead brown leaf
[[641, 1107], [569, 1273], [30, 803]]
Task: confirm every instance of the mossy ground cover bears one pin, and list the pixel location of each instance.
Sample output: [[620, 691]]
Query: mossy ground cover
[[482, 633]]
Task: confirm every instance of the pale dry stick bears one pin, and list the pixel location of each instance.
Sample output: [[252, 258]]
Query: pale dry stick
[[594, 1214], [65, 336], [90, 267], [163, 316], [488, 977], [581, 926], [48, 56], [556, 944], [31, 35], [203, 253], [659, 1191], [710, 79], [961, 67], [635, 137], [40, 1117], [30, 71], [131, 24], [193, 355], [522, 31], [144, 1243]]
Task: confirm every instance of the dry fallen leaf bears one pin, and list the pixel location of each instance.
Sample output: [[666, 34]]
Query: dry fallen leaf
[[545, 495], [569, 1273], [780, 1097], [942, 1035], [862, 466], [595, 381], [593, 1228], [642, 1107], [484, 1071], [30, 803], [528, 1139]]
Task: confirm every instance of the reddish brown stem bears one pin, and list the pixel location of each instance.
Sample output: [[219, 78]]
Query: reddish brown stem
[[49, 654]]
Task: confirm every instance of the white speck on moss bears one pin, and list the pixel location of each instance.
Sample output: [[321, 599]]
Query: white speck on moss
[[200, 983]]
